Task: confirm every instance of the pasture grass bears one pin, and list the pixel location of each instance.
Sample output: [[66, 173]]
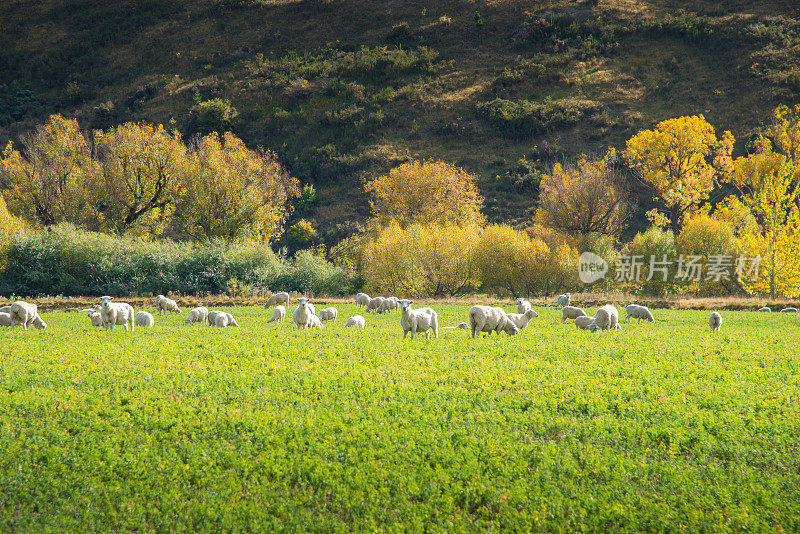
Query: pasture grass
[[658, 427]]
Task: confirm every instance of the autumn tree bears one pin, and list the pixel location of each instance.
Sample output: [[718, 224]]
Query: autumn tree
[[784, 131], [233, 191], [47, 176], [425, 192], [585, 197], [681, 160]]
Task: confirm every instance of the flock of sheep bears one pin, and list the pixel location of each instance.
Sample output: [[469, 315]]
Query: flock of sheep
[[109, 314]]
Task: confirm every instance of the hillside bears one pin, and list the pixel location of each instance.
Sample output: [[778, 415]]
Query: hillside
[[345, 89]]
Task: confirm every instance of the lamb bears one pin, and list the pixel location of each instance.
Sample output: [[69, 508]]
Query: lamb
[[328, 314], [5, 319], [606, 318], [26, 314], [583, 322], [490, 319], [375, 304], [315, 322], [765, 309], [715, 321], [571, 312], [278, 315], [221, 319], [93, 314], [197, 315], [389, 304], [144, 319], [522, 306], [638, 313], [522, 319], [115, 313], [356, 321], [277, 298], [459, 326], [564, 300], [362, 300], [303, 313], [419, 320], [164, 304], [789, 310]]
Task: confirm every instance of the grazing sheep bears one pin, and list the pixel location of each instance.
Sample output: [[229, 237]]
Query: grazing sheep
[[789, 310], [638, 313], [583, 322], [606, 318], [389, 304], [564, 300], [303, 313], [278, 315], [5, 319], [115, 313], [277, 298], [522, 319], [144, 319], [164, 304], [459, 326], [315, 322], [765, 309], [715, 321], [221, 319], [26, 314], [328, 314], [362, 300], [419, 320], [490, 319], [571, 312], [375, 304], [356, 321], [197, 315], [523, 305]]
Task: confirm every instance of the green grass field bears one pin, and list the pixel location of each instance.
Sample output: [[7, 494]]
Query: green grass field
[[658, 427]]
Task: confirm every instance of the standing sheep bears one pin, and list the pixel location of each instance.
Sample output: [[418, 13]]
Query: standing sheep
[[583, 322], [356, 321], [5, 319], [26, 314], [490, 319], [277, 298], [522, 319], [564, 300], [765, 309], [164, 304], [303, 313], [278, 315], [715, 321], [638, 313], [197, 315], [144, 319], [419, 320], [571, 312], [389, 304], [116, 313], [362, 300], [221, 319], [328, 314], [606, 318], [523, 305], [374, 304]]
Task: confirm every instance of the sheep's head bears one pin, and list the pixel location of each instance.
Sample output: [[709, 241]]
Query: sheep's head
[[405, 304], [530, 314], [510, 328], [105, 302], [302, 302], [38, 323]]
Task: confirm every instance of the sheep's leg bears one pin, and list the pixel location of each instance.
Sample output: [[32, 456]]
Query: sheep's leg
[[412, 333]]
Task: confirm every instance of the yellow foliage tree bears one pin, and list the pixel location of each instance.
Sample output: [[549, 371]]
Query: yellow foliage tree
[[425, 192], [10, 226], [681, 159], [784, 130], [584, 198], [47, 178], [233, 191], [713, 239], [779, 251]]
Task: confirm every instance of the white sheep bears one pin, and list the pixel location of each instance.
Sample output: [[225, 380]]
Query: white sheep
[[93, 314], [459, 326], [522, 319], [419, 320], [196, 315], [362, 300], [115, 313], [144, 319], [606, 318], [765, 309], [356, 321], [523, 305], [277, 298], [571, 312], [638, 312], [490, 319], [164, 304], [303, 313], [789, 310], [221, 319], [389, 304], [715, 321], [6, 309], [5, 319], [564, 300], [278, 315], [26, 314], [328, 314], [375, 304], [315, 322], [583, 322]]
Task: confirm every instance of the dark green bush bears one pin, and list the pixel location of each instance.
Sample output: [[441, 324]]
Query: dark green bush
[[215, 116], [520, 118]]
